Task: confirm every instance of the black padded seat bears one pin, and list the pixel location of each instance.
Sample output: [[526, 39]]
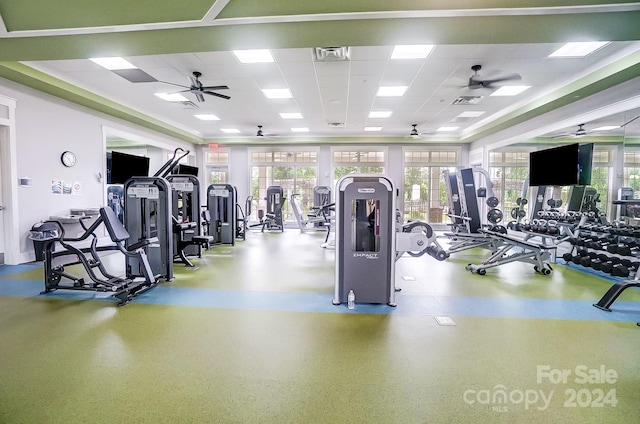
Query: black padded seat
[[116, 230]]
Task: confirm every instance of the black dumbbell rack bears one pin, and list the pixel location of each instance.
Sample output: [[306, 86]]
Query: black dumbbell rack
[[613, 249]]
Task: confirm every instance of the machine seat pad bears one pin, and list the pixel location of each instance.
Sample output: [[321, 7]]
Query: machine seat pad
[[116, 230]]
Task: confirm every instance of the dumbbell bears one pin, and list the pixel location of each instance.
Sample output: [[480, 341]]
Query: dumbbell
[[552, 227], [620, 270], [521, 201], [629, 248], [602, 243]]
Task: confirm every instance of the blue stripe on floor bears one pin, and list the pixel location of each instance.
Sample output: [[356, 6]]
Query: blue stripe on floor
[[6, 270], [321, 302]]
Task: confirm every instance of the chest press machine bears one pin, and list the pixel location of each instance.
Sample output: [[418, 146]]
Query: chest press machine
[[139, 278]]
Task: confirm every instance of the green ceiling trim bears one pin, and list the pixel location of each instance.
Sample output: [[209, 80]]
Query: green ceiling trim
[[602, 79], [25, 15], [30, 77], [261, 8], [621, 26], [254, 141]]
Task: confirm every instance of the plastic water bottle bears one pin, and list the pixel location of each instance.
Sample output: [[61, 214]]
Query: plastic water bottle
[[351, 300]]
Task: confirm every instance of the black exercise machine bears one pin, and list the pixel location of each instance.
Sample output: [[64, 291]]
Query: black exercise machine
[[124, 289]]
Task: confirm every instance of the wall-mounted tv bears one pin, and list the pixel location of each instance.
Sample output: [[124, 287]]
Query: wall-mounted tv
[[183, 169], [121, 167], [561, 166]]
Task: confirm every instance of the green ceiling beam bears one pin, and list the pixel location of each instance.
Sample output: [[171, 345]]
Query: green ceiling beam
[[249, 8], [366, 32], [30, 77]]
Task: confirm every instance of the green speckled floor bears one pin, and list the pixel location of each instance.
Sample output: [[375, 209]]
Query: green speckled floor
[[85, 361]]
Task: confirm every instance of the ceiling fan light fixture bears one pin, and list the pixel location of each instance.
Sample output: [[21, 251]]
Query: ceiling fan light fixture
[[414, 131], [259, 133]]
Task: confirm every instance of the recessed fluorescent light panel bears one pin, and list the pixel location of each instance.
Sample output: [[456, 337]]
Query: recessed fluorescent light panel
[[380, 114], [172, 97], [230, 130], [471, 114], [580, 49], [291, 115], [373, 128], [447, 129], [392, 91], [254, 56], [113, 63], [300, 129], [411, 52], [277, 93], [607, 128], [510, 90], [208, 117]]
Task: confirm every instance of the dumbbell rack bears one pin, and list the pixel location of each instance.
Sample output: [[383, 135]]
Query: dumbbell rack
[[622, 260]]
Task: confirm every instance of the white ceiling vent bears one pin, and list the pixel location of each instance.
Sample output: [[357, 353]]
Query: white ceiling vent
[[467, 100], [336, 124], [331, 54]]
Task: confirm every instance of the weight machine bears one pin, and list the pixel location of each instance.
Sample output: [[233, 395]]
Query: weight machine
[[140, 277], [221, 204], [272, 219], [368, 240], [188, 239]]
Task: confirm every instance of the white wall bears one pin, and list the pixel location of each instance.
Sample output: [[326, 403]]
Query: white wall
[[45, 127]]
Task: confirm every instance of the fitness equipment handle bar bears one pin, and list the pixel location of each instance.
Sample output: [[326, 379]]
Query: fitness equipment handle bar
[[171, 163]]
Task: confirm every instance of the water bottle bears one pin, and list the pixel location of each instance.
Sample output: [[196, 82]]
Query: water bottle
[[351, 300]]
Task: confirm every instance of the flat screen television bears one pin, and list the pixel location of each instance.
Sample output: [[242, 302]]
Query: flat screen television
[[121, 167], [561, 166], [183, 169]]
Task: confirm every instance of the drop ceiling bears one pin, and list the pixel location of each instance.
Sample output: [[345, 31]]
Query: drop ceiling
[[50, 50]]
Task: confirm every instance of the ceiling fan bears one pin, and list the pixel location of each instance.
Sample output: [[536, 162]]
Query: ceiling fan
[[580, 132], [418, 134], [198, 89], [262, 134], [476, 80]]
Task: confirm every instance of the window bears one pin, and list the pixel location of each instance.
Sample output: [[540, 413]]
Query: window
[[357, 162], [508, 171], [295, 171], [425, 196], [217, 166]]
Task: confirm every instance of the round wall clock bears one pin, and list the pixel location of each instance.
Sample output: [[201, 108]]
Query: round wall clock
[[68, 158]]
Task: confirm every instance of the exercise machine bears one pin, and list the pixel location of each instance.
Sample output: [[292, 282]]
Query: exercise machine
[[221, 204], [140, 277], [272, 219], [148, 213], [321, 198], [368, 240], [320, 215], [188, 236]]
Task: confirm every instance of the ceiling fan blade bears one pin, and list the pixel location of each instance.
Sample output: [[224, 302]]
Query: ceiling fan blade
[[171, 83], [199, 95], [217, 94], [510, 77], [216, 87]]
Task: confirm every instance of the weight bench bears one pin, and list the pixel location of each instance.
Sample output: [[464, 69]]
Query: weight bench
[[512, 249], [185, 236]]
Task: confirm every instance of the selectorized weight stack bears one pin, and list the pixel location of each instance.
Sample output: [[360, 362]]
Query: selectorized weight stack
[[365, 239], [221, 204]]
